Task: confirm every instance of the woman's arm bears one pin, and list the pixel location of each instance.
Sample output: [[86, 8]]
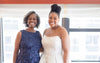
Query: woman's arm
[[65, 44], [17, 41]]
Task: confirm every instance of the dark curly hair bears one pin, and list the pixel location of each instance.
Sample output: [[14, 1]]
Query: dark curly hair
[[27, 16], [55, 8]]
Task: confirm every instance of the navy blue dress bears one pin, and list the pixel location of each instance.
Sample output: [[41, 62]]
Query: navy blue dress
[[29, 47]]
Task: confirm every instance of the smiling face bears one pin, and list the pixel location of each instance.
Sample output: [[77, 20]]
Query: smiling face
[[32, 20], [53, 19]]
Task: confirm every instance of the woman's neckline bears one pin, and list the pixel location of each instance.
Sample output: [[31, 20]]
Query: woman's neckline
[[52, 36], [30, 32]]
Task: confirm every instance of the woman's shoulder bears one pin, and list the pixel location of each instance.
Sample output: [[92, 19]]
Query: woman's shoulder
[[22, 30], [62, 28], [63, 31], [19, 34], [46, 29], [38, 32]]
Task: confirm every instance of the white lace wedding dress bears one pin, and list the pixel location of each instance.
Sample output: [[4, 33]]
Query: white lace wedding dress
[[52, 50]]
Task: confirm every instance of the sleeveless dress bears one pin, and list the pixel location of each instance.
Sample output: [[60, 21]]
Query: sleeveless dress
[[29, 47], [52, 50]]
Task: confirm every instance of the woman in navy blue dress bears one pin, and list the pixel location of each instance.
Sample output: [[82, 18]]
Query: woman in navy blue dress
[[28, 42]]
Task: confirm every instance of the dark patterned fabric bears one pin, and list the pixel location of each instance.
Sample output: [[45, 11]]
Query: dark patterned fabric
[[29, 47]]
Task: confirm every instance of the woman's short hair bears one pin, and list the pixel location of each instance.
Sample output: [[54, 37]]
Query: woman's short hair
[[27, 16]]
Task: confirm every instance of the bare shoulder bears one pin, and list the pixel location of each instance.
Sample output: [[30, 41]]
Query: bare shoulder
[[62, 29], [46, 30], [63, 32], [19, 33]]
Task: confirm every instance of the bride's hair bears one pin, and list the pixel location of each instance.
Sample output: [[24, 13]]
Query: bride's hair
[[55, 8]]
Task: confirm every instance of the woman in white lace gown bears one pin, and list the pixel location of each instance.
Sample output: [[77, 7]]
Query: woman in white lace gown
[[56, 40]]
